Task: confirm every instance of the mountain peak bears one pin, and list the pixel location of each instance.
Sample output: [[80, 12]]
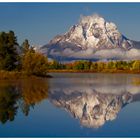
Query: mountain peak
[[91, 34], [95, 18], [93, 31]]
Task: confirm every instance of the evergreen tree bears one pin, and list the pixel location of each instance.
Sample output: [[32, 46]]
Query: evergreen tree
[[26, 46], [8, 51]]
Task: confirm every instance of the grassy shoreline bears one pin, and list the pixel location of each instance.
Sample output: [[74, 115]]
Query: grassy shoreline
[[92, 71], [6, 75]]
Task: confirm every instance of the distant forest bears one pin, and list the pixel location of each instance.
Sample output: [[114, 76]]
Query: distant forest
[[99, 66]]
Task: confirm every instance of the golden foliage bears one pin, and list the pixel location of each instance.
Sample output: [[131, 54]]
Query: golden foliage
[[34, 90], [34, 63]]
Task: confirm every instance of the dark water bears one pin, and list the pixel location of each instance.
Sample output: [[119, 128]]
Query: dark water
[[71, 105]]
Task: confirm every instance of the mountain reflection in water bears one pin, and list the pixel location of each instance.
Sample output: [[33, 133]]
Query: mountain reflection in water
[[93, 101], [92, 109]]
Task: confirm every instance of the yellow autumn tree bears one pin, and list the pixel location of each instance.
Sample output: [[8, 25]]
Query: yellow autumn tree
[[136, 65], [34, 63]]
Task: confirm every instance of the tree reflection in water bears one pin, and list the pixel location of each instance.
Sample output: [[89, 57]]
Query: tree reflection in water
[[8, 103], [22, 94]]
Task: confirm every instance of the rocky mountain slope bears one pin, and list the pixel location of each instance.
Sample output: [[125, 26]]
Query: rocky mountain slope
[[92, 38]]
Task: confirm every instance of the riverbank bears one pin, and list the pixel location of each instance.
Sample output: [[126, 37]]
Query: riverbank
[[92, 71], [21, 75], [18, 75]]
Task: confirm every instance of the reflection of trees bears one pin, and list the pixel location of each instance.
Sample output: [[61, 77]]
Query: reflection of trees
[[22, 94], [33, 91], [136, 81], [8, 105]]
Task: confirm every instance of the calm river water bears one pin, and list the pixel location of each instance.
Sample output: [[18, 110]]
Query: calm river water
[[71, 105]]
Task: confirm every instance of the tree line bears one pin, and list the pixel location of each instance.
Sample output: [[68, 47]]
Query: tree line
[[98, 66], [23, 58]]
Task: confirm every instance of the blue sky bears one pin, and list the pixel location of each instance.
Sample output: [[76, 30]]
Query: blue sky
[[40, 22]]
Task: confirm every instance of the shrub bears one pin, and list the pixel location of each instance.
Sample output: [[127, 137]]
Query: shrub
[[34, 63]]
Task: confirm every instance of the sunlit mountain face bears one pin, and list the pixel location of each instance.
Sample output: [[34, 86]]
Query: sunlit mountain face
[[93, 38]]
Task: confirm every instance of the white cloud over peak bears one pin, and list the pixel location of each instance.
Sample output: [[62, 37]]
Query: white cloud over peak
[[100, 54]]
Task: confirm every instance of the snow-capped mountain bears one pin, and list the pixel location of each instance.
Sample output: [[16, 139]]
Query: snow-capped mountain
[[92, 38]]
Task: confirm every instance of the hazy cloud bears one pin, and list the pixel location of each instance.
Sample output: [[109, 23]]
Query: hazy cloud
[[101, 54]]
